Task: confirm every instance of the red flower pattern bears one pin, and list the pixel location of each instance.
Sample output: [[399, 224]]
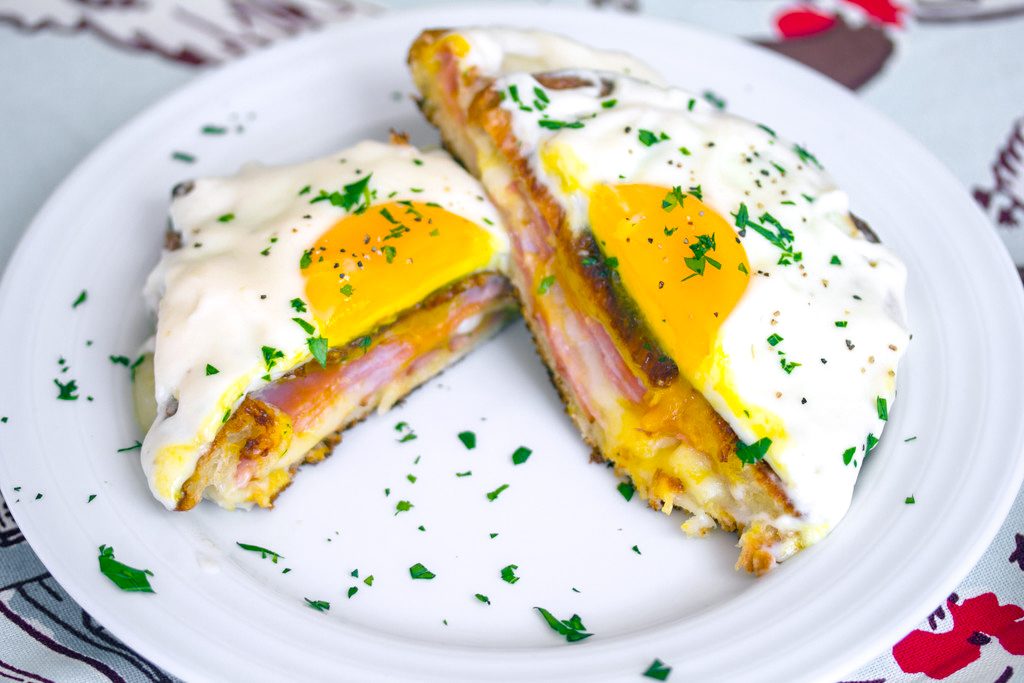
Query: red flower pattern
[[976, 622]]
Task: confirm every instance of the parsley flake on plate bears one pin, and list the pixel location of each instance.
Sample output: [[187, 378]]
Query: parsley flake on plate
[[264, 552], [318, 605], [406, 431], [66, 391], [658, 671], [521, 455], [468, 440], [572, 628], [508, 573], [493, 495], [403, 506], [418, 571], [483, 598], [134, 447], [124, 577], [627, 490], [81, 299]]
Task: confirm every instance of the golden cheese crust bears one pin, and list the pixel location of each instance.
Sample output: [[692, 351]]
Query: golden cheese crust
[[466, 108]]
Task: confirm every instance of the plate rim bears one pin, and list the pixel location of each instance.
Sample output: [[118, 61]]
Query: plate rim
[[856, 654]]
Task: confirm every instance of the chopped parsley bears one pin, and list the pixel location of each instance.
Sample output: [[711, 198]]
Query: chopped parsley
[[356, 196], [700, 259], [468, 440], [841, 323], [774, 339], [124, 577], [572, 628], [552, 124], [906, 440], [806, 156], [347, 290], [418, 571], [81, 299], [352, 591], [848, 455], [658, 671], [306, 327], [835, 261], [405, 430], [777, 235], [768, 130], [545, 284], [493, 495], [482, 598], [210, 129], [684, 151], [626, 489], [909, 500], [467, 473], [184, 157], [612, 262], [883, 408], [134, 447], [264, 552], [92, 497], [508, 573], [66, 391], [715, 101], [271, 356], [389, 253], [751, 453], [636, 549], [521, 455], [872, 441], [318, 605], [305, 190], [306, 260], [788, 366], [298, 305], [318, 347], [210, 370], [403, 506], [608, 104], [121, 360], [226, 218], [648, 138]]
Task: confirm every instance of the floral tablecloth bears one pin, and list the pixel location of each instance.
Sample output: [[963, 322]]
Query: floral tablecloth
[[951, 72]]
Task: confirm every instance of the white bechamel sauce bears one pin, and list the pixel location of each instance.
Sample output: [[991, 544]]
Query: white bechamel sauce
[[496, 51], [809, 439], [209, 299]]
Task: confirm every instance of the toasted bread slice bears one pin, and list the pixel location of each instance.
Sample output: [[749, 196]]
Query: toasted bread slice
[[627, 384]]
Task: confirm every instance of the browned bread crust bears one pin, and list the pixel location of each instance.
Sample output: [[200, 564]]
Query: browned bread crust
[[466, 109]]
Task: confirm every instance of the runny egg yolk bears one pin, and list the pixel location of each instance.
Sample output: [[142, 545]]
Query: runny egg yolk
[[369, 267], [681, 263]]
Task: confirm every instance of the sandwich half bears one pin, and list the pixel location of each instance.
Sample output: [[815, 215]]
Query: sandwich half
[[293, 301], [718, 324]]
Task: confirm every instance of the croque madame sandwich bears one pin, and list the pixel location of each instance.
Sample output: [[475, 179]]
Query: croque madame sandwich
[[293, 301], [718, 324]]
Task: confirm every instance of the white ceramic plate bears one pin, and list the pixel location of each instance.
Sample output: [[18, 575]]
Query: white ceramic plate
[[222, 613]]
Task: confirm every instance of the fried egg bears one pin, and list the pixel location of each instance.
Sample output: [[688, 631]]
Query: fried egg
[[740, 253], [276, 265]]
